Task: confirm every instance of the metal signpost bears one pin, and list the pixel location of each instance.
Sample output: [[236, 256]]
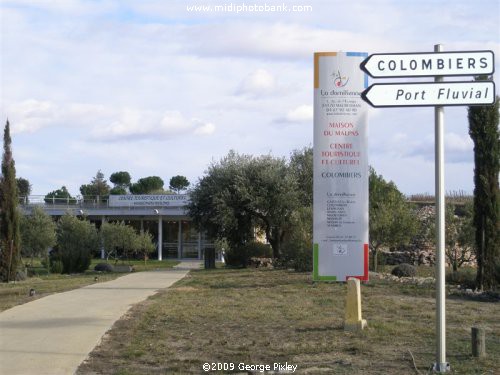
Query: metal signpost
[[436, 94]]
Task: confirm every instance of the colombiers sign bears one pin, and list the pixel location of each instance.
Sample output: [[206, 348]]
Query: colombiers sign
[[164, 200], [340, 198]]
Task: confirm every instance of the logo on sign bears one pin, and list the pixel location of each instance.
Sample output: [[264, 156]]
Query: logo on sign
[[339, 249], [339, 80]]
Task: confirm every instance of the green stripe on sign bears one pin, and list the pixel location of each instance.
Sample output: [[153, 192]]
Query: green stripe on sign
[[316, 276]]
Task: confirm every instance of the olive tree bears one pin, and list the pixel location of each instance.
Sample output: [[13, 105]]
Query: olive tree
[[242, 193], [392, 221], [77, 240], [38, 233]]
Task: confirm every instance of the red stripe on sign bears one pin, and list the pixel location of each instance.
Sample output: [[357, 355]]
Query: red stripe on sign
[[363, 277]]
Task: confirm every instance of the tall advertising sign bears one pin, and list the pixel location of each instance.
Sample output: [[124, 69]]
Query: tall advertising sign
[[340, 232]]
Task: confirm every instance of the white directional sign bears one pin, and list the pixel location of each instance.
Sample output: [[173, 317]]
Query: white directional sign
[[430, 94], [429, 64]]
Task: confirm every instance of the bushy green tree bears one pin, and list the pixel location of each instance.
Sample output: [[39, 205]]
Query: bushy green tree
[[61, 195], [145, 245], [216, 205], [270, 194], [147, 185], [301, 166], [121, 180], [178, 184], [119, 239], [23, 187], [392, 222], [10, 245], [77, 240], [483, 129], [298, 242], [38, 233], [98, 187], [242, 193]]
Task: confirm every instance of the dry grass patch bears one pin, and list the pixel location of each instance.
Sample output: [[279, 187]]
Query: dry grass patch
[[264, 317]]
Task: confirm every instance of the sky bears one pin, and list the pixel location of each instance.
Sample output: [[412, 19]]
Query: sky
[[153, 87]]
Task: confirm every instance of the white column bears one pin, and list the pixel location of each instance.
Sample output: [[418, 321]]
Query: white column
[[160, 238], [103, 252], [179, 241]]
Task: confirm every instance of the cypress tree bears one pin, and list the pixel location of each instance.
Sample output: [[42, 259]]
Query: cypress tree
[[483, 129], [9, 215]]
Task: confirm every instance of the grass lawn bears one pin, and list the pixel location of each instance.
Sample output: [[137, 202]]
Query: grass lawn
[[17, 293], [262, 317]]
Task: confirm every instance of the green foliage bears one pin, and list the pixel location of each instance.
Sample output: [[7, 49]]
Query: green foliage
[[56, 266], [61, 195], [404, 270], [98, 187], [298, 243], [216, 204], [145, 245], [122, 241], [392, 222], [118, 239], [23, 187], [241, 193], [120, 179], [484, 131], [118, 190], [178, 183], [9, 215], [301, 166], [76, 241], [465, 277], [240, 256], [147, 185], [38, 233], [103, 267]]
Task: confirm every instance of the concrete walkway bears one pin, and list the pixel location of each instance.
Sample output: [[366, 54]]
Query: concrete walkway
[[54, 334]]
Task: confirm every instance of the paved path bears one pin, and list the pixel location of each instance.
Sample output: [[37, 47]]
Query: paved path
[[54, 334]]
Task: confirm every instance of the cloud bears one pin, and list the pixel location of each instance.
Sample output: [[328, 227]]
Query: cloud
[[147, 125], [31, 115], [302, 113], [257, 83], [458, 148], [273, 40], [205, 129]]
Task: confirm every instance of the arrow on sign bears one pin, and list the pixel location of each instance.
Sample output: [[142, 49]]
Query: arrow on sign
[[423, 64], [430, 94]]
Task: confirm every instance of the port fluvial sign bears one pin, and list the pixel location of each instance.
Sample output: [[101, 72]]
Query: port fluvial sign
[[437, 64]]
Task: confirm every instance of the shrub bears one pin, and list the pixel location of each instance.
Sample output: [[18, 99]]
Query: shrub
[[240, 256], [465, 277], [56, 266], [404, 270], [103, 267], [298, 244], [76, 240]]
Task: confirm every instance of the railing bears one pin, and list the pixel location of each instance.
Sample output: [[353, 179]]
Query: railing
[[73, 202], [96, 201]]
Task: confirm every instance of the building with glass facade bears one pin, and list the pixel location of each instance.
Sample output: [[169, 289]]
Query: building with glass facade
[[164, 216]]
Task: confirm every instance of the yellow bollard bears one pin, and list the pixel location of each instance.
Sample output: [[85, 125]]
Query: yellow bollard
[[353, 320]]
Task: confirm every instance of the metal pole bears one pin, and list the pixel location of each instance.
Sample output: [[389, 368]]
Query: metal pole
[[160, 238], [441, 365]]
